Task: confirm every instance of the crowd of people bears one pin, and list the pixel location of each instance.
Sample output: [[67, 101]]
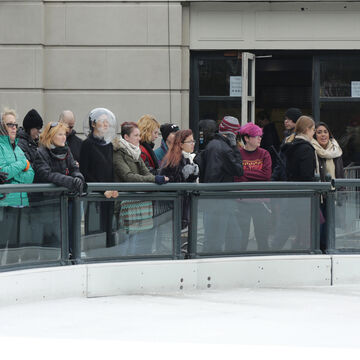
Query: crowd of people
[[227, 152]]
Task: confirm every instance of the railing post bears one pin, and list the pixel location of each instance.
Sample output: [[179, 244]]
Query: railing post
[[315, 224], [177, 226], [76, 229], [330, 222], [193, 226], [64, 211]]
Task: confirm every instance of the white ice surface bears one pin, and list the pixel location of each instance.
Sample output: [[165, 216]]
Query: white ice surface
[[311, 322]]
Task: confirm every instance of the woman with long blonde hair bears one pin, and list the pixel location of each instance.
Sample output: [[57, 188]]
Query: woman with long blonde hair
[[149, 132], [299, 152]]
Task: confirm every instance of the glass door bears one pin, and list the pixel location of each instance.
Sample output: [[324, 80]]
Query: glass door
[[218, 87]]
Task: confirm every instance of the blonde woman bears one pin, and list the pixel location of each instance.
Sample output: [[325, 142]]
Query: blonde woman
[[149, 132], [299, 152], [54, 162]]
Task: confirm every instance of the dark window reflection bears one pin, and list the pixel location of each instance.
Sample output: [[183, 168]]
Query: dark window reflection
[[214, 75], [216, 110], [343, 119], [336, 76]]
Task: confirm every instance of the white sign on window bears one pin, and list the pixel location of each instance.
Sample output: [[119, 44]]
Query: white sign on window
[[235, 85], [355, 89]]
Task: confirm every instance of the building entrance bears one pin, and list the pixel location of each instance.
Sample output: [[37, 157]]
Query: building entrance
[[325, 85]]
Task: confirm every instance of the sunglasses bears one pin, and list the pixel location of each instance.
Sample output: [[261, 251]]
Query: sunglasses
[[54, 124], [12, 125]]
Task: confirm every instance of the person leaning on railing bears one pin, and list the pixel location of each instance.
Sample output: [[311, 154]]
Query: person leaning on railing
[[300, 166], [18, 169], [135, 216], [96, 164], [257, 167], [178, 165], [13, 160], [54, 162], [221, 162], [330, 166]]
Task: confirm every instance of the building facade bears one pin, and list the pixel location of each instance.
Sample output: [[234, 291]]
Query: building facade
[[183, 60]]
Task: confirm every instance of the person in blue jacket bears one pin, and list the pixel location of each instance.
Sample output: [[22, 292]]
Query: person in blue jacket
[[18, 169]]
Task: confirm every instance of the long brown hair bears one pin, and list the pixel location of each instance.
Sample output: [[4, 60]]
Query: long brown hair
[[173, 156]]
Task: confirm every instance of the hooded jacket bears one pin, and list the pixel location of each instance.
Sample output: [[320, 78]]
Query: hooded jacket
[[220, 162], [13, 162], [126, 168], [300, 160], [28, 145]]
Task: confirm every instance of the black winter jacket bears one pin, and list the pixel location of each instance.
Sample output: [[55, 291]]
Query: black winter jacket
[[96, 160], [74, 143], [49, 168], [27, 145], [219, 162], [176, 173], [300, 160]]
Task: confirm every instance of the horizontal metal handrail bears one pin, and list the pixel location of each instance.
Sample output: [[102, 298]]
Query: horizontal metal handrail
[[341, 183], [131, 187]]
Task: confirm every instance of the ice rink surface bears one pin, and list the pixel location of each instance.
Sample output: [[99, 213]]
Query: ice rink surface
[[297, 323]]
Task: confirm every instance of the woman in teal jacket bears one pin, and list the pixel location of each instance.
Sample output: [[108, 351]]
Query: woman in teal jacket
[[13, 161], [18, 169]]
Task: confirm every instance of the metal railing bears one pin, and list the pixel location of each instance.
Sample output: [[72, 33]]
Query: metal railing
[[270, 209]]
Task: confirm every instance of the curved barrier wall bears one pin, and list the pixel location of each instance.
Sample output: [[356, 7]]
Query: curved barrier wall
[[186, 240]]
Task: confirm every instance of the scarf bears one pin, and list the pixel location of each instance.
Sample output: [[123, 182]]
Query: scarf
[[189, 156], [230, 136], [132, 150], [59, 152], [332, 151]]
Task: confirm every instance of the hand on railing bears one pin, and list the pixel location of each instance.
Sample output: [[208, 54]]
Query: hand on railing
[[79, 187], [111, 194]]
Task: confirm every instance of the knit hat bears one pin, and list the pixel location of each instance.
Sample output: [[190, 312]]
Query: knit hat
[[32, 120], [250, 129], [293, 114], [167, 129], [229, 124]]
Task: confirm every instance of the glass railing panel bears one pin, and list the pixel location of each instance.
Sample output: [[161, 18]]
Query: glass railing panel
[[347, 220], [253, 225], [126, 228], [31, 234]]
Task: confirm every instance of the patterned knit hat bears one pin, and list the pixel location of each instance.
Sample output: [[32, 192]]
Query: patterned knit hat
[[229, 124], [250, 129]]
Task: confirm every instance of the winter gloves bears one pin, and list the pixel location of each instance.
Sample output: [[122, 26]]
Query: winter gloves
[[190, 170], [160, 179], [79, 186]]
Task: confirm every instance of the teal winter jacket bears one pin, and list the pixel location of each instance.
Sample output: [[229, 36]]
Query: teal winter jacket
[[13, 162]]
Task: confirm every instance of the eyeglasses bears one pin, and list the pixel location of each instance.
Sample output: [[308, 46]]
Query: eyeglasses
[[54, 124], [12, 125], [189, 142]]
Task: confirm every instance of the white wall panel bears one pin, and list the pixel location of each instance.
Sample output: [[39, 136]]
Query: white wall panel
[[21, 23], [112, 24], [278, 25], [20, 67], [42, 284], [22, 101], [119, 68], [346, 269]]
